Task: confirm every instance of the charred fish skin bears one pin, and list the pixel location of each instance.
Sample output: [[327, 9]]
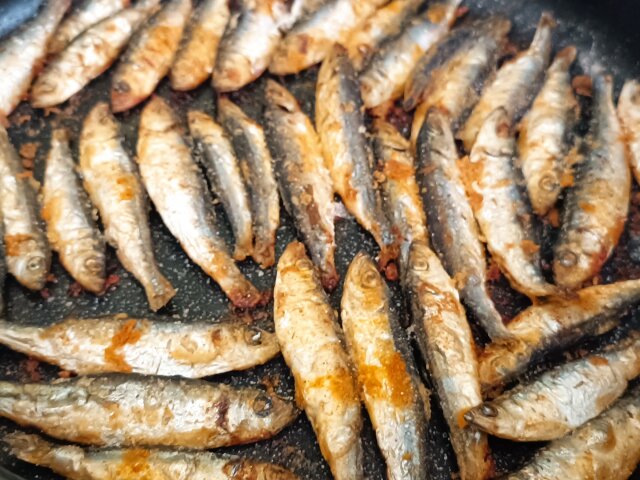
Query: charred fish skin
[[516, 83], [386, 371], [119, 344], [595, 208], [225, 176], [177, 188], [131, 410], [454, 232], [303, 180], [77, 463], [113, 183], [446, 342], [22, 54], [629, 114], [348, 154], [27, 251], [313, 348], [71, 228], [256, 164], [501, 207], [149, 56], [546, 134], [556, 324], [198, 50], [607, 447]]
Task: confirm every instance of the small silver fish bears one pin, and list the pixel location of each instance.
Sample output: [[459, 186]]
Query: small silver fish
[[629, 114]]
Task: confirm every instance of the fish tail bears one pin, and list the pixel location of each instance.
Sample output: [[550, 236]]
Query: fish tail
[[542, 39], [29, 448], [17, 337]]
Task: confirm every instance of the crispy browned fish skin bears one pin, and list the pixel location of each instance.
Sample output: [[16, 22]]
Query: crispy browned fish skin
[[143, 410], [71, 227], [198, 50], [112, 181], [387, 374], [595, 207], [629, 114], [554, 325], [149, 56], [304, 182], [312, 346]]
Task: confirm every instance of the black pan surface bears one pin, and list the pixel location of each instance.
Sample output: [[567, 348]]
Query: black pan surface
[[604, 31]]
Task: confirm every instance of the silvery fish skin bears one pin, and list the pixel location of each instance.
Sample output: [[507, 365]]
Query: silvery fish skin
[[223, 170], [149, 56], [256, 164], [112, 181], [196, 57], [22, 54], [71, 227], [312, 345], [252, 35], [562, 399], [154, 346], [516, 83], [595, 207], [387, 374], [554, 325], [384, 77], [3, 267], [304, 182], [27, 251], [546, 134], [86, 58], [348, 154], [501, 207], [83, 16], [447, 346], [629, 115], [454, 232], [127, 410], [178, 190], [606, 448], [312, 38], [77, 463]]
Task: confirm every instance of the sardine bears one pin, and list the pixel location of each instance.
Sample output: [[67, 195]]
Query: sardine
[[446, 342], [606, 448], [554, 325], [178, 190], [501, 207], [253, 154], [141, 410], [348, 154], [248, 43], [113, 183], [154, 346], [149, 56], [223, 170], [546, 134], [313, 348], [629, 114], [198, 50], [83, 16], [71, 227], [595, 208], [454, 233], [516, 83], [391, 65], [77, 463], [23, 53], [27, 251], [303, 180], [386, 371]]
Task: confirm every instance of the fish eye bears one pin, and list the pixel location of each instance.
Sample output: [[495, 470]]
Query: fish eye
[[421, 264], [568, 258], [548, 183], [253, 336], [35, 263], [370, 278], [93, 265], [262, 405]]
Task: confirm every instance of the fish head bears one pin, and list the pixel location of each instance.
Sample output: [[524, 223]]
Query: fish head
[[364, 280], [266, 411], [31, 268], [485, 416], [89, 269], [578, 259]]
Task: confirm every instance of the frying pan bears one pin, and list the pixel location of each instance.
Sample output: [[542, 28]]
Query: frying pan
[[603, 31]]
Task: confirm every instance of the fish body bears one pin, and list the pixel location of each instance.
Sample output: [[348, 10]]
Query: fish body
[[178, 190], [303, 180], [256, 164], [112, 181], [3, 268], [595, 207], [629, 114], [313, 347], [447, 345]]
